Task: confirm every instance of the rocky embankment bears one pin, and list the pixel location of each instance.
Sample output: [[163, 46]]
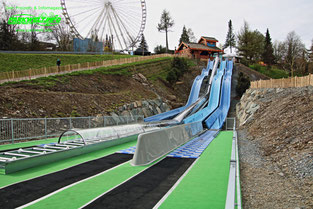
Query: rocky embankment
[[276, 147], [146, 108]]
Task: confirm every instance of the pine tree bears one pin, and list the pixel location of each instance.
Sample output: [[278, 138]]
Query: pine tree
[[268, 54], [230, 37], [143, 43], [184, 36], [143, 46], [165, 24]]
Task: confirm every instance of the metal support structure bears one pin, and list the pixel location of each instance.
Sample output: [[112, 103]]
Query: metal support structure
[[15, 129]]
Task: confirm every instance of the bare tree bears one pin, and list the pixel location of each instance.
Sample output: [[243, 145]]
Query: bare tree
[[165, 24], [279, 51], [295, 49], [62, 35], [191, 35]]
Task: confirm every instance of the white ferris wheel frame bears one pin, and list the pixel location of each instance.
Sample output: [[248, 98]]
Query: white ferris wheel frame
[[77, 34]]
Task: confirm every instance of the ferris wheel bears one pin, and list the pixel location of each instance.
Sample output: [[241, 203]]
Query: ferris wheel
[[122, 21]]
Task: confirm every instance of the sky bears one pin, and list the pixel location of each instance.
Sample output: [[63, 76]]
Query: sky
[[210, 18]]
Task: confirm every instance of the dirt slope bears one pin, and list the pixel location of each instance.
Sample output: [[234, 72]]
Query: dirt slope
[[276, 147], [91, 94]]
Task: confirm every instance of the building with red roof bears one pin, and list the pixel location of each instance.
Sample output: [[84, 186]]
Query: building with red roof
[[204, 49]]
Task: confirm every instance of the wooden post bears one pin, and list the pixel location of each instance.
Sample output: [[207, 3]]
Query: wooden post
[[30, 74], [271, 83], [13, 74]]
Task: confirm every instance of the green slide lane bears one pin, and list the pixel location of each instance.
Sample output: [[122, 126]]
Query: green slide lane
[[82, 193], [205, 186], [60, 165], [27, 144]]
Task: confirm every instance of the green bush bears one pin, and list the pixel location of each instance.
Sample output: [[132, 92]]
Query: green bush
[[171, 76], [178, 67], [243, 84]]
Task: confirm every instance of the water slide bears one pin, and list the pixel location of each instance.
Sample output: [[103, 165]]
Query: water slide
[[193, 96], [214, 97], [217, 118]]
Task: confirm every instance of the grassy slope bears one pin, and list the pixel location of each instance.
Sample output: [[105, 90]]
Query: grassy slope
[[274, 72], [17, 62], [124, 69]]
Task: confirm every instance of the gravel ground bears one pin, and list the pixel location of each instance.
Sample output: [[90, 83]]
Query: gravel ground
[[276, 149], [263, 183]]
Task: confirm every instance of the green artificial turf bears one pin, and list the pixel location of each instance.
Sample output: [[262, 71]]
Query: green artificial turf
[[59, 165], [27, 144], [82, 193], [205, 186]]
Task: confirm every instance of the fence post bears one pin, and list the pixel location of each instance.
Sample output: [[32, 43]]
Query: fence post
[[45, 69], [12, 130], [103, 121], [46, 134], [89, 122], [13, 74]]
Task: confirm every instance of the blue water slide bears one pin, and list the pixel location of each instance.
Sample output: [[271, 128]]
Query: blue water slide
[[218, 117], [213, 99], [193, 96]]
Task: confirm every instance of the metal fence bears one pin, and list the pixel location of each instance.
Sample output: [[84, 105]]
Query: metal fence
[[230, 124], [12, 130]]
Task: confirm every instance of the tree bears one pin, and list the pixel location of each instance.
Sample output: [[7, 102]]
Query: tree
[[184, 36], [143, 46], [279, 51], [250, 43], [244, 38], [230, 37], [159, 49], [165, 24], [295, 50], [191, 35], [8, 32], [62, 35], [268, 56]]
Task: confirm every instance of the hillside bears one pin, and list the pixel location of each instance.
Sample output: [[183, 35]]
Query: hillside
[[276, 147], [94, 92], [16, 62]]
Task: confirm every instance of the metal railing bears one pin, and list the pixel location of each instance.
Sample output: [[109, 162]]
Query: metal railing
[[16, 129]]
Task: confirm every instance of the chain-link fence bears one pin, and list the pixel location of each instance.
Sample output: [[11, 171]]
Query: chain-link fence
[[12, 130]]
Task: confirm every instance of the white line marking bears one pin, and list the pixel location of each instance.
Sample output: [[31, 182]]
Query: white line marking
[[120, 184], [57, 170], [175, 185], [71, 185]]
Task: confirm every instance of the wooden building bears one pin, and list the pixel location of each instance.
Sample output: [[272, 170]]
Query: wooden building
[[204, 49]]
